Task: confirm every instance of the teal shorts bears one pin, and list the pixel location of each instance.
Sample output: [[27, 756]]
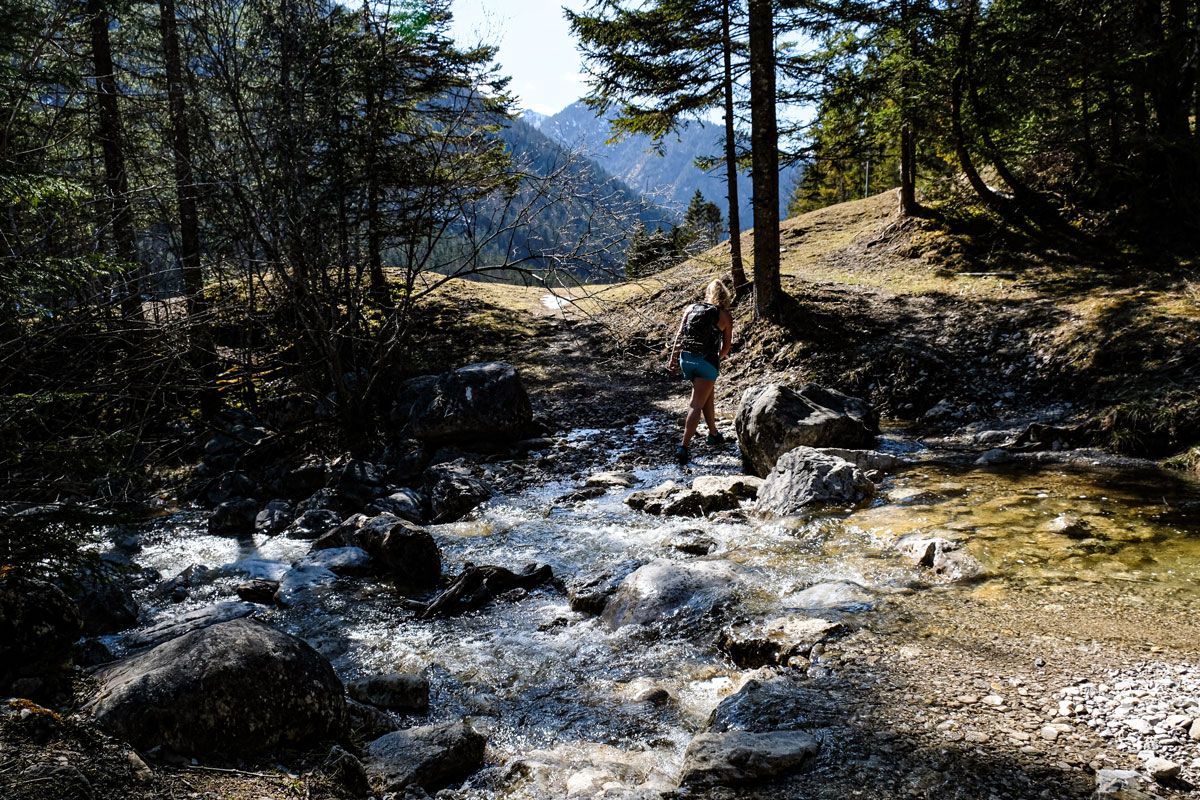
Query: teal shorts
[[695, 366]]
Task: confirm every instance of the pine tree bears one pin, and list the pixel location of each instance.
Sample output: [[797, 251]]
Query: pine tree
[[702, 225], [661, 64]]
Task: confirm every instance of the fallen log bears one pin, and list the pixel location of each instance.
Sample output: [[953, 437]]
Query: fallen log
[[475, 586]]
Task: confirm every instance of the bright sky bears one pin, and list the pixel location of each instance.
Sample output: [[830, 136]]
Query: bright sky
[[536, 47]]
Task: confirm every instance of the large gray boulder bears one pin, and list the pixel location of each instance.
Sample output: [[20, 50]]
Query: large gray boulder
[[430, 756], [479, 402], [773, 418], [38, 625], [665, 590], [233, 688], [739, 757], [806, 477]]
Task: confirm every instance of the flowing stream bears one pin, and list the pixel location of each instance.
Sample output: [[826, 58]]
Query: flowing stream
[[560, 692]]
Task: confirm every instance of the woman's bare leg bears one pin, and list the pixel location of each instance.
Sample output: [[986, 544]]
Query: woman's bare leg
[[710, 412], [702, 391]]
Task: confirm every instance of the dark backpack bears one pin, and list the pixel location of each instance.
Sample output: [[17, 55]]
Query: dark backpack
[[700, 332]]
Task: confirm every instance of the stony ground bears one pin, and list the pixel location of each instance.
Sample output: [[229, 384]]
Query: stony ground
[[965, 693]]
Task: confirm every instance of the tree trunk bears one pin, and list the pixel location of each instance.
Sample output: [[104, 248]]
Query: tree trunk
[[1175, 72], [908, 150], [116, 182], [1196, 72], [374, 229], [737, 270], [908, 183], [764, 172], [201, 353], [989, 198]]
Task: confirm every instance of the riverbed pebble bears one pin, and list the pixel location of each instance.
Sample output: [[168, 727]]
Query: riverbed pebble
[[1161, 769], [1150, 709]]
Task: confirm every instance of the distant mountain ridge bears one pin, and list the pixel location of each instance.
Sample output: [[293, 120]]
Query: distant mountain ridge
[[669, 179], [559, 224]]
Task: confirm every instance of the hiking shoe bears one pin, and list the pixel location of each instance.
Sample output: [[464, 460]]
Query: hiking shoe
[[682, 455], [714, 440]]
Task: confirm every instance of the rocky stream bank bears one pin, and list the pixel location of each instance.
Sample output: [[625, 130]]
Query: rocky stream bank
[[830, 626]]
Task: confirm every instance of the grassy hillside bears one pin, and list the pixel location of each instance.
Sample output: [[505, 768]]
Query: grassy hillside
[[911, 313]]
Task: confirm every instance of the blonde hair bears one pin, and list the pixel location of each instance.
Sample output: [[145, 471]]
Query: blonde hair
[[717, 293]]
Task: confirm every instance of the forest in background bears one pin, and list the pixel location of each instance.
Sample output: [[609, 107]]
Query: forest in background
[[204, 201]]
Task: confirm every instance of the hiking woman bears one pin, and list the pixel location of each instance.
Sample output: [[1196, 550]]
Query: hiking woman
[[703, 340]]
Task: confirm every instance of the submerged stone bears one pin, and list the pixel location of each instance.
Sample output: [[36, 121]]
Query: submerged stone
[[669, 590]]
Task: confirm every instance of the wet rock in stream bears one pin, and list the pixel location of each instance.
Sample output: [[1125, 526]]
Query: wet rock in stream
[[347, 562], [407, 504], [314, 523], [430, 756], [275, 517], [707, 495], [298, 584], [773, 419], [405, 552], [805, 477], [258, 590], [233, 687], [874, 463], [674, 591], [190, 621], [399, 691], [692, 543], [453, 491], [1068, 525], [587, 770], [609, 480], [944, 557], [233, 517], [368, 722], [177, 588], [778, 702], [756, 643], [588, 593], [842, 595], [738, 757], [475, 586]]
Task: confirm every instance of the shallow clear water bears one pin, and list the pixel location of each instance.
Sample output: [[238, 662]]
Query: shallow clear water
[[560, 690]]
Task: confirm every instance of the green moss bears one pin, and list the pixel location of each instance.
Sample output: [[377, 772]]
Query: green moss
[[1185, 462], [1152, 425]]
